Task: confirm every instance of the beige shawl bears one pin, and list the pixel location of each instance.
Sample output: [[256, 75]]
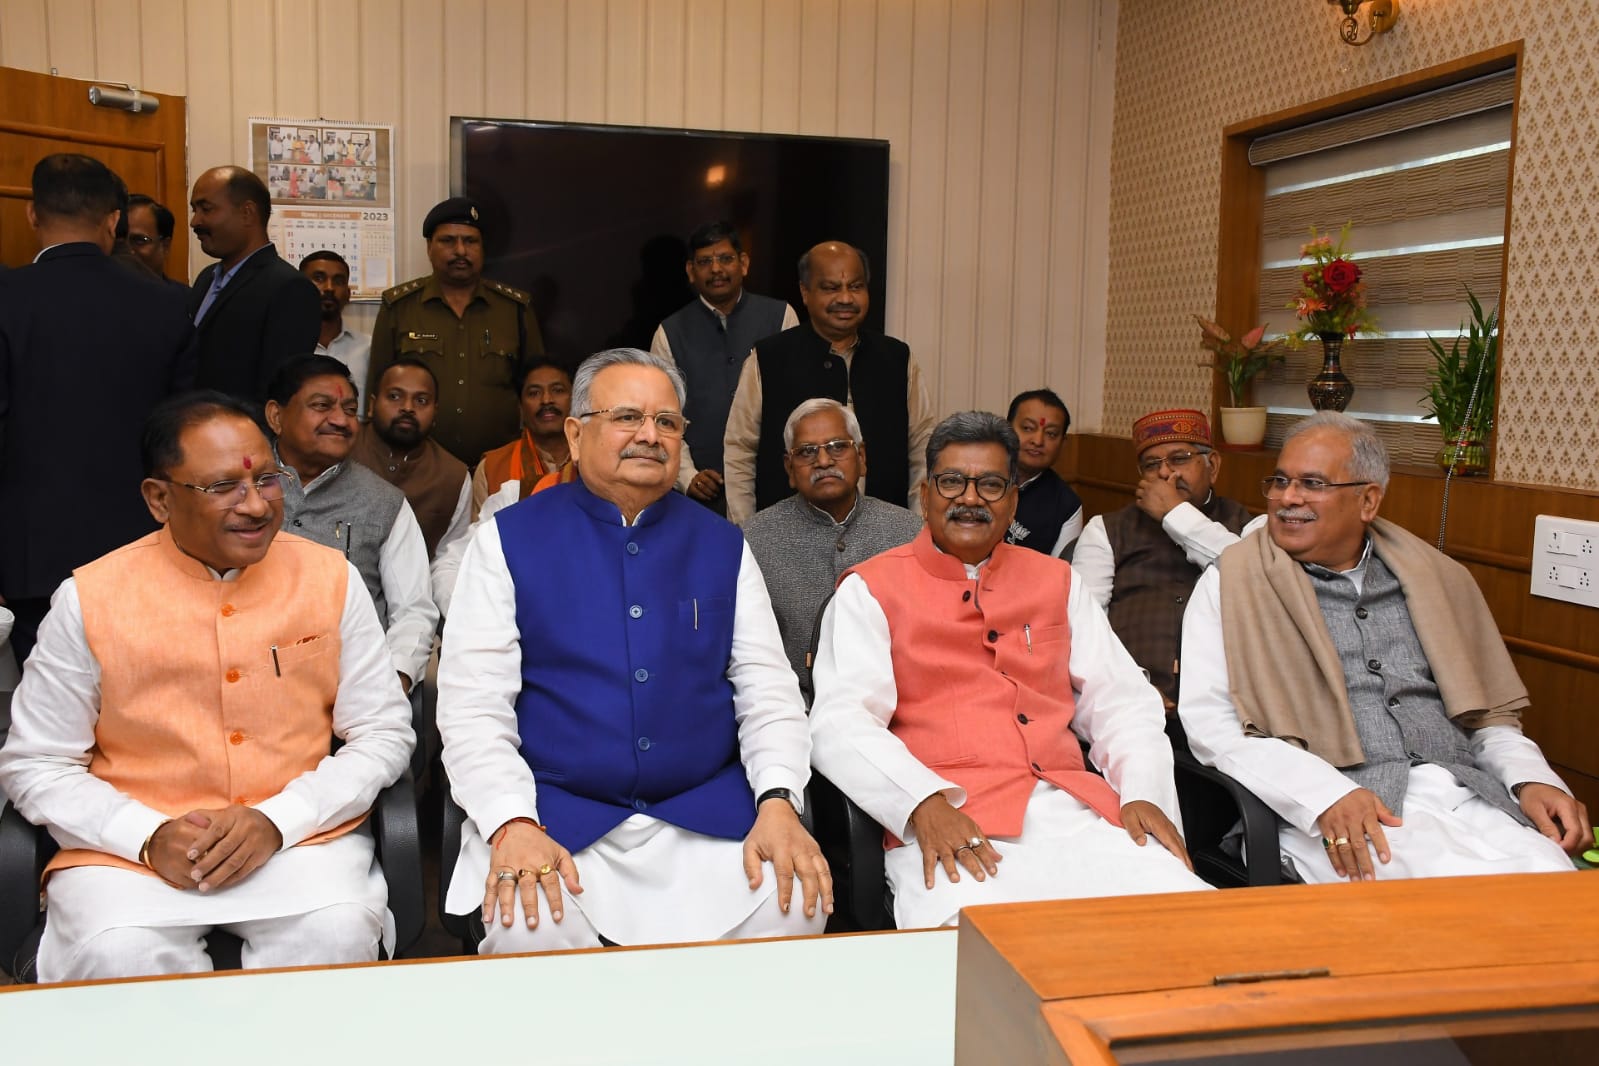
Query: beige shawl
[[1284, 673]]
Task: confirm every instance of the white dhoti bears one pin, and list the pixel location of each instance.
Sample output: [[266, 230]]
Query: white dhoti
[[1448, 831], [312, 905], [644, 882], [1065, 851]]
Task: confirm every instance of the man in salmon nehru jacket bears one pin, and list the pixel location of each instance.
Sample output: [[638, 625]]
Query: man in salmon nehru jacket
[[174, 728], [953, 678]]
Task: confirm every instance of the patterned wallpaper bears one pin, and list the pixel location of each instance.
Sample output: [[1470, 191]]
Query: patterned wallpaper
[[1185, 71]]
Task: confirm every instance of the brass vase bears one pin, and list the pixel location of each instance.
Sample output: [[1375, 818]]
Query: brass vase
[[1468, 459], [1330, 390]]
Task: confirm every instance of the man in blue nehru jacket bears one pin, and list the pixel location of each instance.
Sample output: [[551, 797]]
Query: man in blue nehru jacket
[[620, 722]]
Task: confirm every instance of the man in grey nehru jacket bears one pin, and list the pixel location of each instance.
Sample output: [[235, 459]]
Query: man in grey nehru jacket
[[805, 542], [1351, 676]]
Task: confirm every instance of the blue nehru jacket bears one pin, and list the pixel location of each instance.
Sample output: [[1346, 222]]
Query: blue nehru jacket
[[626, 636]]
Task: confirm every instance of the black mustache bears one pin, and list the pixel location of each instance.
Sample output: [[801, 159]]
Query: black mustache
[[547, 409], [977, 514]]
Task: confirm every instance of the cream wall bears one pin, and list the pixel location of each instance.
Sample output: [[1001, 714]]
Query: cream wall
[[998, 113], [1184, 71]]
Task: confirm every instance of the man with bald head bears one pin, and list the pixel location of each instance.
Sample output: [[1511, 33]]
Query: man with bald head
[[632, 770], [252, 310], [1351, 676], [831, 355]]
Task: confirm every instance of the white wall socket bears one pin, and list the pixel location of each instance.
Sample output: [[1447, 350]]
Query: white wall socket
[[1565, 560]]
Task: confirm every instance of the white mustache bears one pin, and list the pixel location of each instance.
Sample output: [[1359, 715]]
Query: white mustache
[[826, 472], [645, 451], [1283, 514]]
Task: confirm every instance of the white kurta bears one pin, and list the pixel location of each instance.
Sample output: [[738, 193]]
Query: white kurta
[[1300, 786], [681, 886], [1094, 563], [45, 767], [1061, 852]]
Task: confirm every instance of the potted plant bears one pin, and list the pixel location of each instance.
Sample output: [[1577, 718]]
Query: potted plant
[[1461, 388], [1239, 361]]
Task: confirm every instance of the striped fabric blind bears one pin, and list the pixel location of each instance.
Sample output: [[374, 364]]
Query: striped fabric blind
[[1424, 180]]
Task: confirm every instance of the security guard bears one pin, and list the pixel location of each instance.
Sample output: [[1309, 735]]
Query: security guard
[[471, 331]]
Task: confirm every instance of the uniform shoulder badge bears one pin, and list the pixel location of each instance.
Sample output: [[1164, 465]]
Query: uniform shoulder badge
[[505, 290], [399, 292]]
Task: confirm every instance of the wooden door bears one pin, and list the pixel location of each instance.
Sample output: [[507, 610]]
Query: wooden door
[[42, 113]]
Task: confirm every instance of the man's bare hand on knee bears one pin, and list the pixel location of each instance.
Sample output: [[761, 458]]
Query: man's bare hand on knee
[[523, 858], [236, 844], [1556, 815], [951, 839], [1345, 828], [779, 838]]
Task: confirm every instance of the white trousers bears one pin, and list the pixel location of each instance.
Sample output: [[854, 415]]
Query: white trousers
[[1448, 831], [1065, 851], [346, 932]]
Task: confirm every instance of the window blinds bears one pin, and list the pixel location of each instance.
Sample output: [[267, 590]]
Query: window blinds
[[1424, 180]]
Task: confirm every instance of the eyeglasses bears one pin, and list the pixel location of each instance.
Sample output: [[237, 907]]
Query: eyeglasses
[[226, 495], [1309, 487], [1176, 460], [631, 419], [952, 486], [139, 240], [705, 262], [836, 449]]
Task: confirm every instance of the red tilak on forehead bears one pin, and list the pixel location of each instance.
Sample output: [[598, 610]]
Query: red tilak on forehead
[[247, 462]]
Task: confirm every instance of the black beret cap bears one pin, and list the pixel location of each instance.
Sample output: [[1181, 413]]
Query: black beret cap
[[456, 210]]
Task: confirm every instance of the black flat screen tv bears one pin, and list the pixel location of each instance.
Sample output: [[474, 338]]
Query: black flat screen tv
[[593, 220]]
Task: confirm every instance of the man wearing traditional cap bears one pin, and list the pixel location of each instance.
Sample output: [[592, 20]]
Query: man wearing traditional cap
[[1141, 562], [471, 331]]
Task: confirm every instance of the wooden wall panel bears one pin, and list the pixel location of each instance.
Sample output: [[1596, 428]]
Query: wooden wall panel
[[987, 106], [1555, 645]]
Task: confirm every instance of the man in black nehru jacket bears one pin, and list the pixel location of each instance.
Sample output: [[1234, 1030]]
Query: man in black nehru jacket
[[832, 356]]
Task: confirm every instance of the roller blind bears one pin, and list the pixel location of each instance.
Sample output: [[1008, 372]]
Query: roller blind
[[1424, 180]]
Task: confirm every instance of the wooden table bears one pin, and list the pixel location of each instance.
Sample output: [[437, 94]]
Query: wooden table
[[1068, 981]]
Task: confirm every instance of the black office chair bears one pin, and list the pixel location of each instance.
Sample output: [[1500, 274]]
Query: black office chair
[[26, 848], [1213, 805]]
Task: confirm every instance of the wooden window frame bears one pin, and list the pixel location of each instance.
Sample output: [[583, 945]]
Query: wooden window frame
[[1243, 192]]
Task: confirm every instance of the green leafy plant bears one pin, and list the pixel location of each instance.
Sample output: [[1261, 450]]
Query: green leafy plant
[[1462, 382], [1238, 360]]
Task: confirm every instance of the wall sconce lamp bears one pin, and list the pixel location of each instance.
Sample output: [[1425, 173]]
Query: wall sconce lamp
[[123, 98], [1380, 18]]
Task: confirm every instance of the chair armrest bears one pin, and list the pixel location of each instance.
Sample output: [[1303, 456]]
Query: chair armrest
[[1207, 822], [463, 926], [399, 846], [24, 850]]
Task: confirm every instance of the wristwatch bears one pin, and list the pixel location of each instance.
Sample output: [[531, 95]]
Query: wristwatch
[[778, 793]]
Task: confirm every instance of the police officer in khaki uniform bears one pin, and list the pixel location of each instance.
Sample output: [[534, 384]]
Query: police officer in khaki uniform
[[471, 331]]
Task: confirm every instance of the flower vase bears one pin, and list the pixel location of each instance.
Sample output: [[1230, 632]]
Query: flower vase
[[1330, 390]]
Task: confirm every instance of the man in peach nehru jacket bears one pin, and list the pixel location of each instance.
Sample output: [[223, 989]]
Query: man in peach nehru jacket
[[175, 727], [953, 678]]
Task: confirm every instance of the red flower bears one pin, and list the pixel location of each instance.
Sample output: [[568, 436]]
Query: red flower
[[1340, 275]]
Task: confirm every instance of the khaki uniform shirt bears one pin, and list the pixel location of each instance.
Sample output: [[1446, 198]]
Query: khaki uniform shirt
[[473, 356]]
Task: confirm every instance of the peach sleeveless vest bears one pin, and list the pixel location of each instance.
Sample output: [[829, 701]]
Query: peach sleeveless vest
[[193, 712]]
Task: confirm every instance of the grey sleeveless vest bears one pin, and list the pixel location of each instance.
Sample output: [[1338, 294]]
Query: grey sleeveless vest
[[352, 512]]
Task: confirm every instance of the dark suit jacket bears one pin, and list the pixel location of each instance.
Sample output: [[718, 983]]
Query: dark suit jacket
[[266, 314], [87, 348]]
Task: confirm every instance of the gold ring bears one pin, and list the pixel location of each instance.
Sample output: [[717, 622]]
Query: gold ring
[[523, 874], [1341, 842], [546, 870]]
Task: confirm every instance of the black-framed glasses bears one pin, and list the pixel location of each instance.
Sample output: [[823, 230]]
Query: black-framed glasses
[[705, 262], [836, 449], [952, 486], [1275, 486], [226, 495], [1176, 460], [631, 419]]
